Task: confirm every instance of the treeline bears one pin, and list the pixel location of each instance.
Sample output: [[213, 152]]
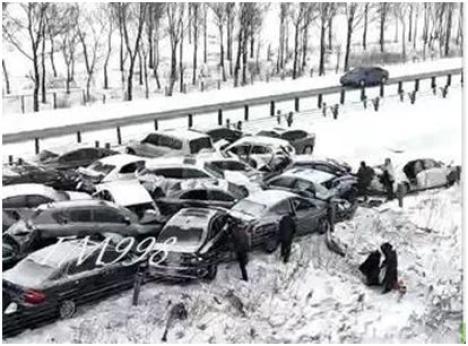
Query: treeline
[[44, 32]]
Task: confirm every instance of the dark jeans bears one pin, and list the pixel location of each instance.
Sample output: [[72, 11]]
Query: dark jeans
[[242, 258], [388, 183], [286, 250]]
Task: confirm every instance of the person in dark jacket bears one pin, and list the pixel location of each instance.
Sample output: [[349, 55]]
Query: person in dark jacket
[[287, 229], [388, 178], [371, 268], [241, 245], [390, 265], [365, 175]]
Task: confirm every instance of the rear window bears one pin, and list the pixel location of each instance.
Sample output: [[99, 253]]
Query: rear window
[[222, 166], [201, 143], [163, 141], [183, 236]]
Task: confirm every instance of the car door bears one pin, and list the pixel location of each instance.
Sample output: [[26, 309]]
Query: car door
[[432, 175], [306, 215], [15, 203]]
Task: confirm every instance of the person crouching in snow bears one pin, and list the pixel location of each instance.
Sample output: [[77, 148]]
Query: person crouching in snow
[[390, 266], [371, 268], [388, 178]]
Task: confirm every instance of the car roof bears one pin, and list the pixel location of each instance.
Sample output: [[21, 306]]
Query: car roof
[[28, 189], [120, 159], [261, 140], [270, 197], [308, 174], [183, 134], [58, 254], [192, 217], [77, 203], [126, 192]]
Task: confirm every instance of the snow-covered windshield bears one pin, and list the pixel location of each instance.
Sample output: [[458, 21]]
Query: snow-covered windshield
[[100, 167], [250, 208]]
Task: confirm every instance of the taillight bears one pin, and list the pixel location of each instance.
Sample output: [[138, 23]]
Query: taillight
[[34, 297]]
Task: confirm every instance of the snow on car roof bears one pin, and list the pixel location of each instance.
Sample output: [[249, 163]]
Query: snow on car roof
[[184, 134], [269, 197], [262, 140], [120, 159], [76, 203], [187, 218], [126, 192], [311, 175], [28, 189]]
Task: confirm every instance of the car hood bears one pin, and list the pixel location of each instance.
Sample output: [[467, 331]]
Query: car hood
[[185, 248]]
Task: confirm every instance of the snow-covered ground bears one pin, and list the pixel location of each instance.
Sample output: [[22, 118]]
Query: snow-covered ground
[[319, 296]]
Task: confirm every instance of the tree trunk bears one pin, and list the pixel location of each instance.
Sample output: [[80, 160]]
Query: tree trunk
[[296, 45], [36, 82], [88, 86], [156, 59], [449, 30], [130, 81], [5, 76], [280, 60], [221, 52], [425, 30], [43, 58], [140, 64], [252, 41], [349, 34], [383, 14], [121, 46], [410, 23], [181, 61], [395, 39], [106, 61], [150, 44], [403, 38], [195, 47], [145, 70], [205, 54], [305, 39], [322, 48], [238, 58], [229, 41], [330, 33], [364, 34], [52, 51], [415, 28], [286, 45], [244, 57]]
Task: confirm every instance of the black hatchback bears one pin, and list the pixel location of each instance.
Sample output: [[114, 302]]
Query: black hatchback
[[50, 283], [364, 77]]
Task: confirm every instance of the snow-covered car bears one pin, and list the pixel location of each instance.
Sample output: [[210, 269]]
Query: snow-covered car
[[51, 283], [19, 200], [326, 164], [262, 211], [194, 240], [364, 76], [260, 151], [416, 175], [302, 141], [127, 193], [64, 158], [171, 143], [111, 168]]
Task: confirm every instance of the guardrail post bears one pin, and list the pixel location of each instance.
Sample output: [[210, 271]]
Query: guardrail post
[[20, 161], [119, 136], [290, 119], [156, 127], [84, 96], [103, 98], [10, 159], [433, 85], [228, 123], [334, 110], [342, 96], [272, 108], [107, 145], [239, 125], [190, 120], [36, 145], [416, 85], [363, 93], [400, 87], [449, 79], [78, 137], [54, 100], [382, 90], [296, 104], [319, 101], [219, 84], [96, 144], [246, 112], [22, 103], [324, 109], [220, 117], [376, 103], [400, 194]]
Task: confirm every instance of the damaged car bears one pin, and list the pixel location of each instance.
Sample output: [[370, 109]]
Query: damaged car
[[302, 141]]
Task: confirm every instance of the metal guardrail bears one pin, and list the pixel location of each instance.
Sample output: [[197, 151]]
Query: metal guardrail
[[36, 135]]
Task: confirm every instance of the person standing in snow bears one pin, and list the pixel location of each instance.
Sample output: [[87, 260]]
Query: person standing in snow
[[287, 229], [241, 245], [390, 265], [388, 178], [365, 175]]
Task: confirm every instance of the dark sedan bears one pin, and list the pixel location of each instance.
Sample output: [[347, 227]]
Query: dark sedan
[[364, 77], [52, 282]]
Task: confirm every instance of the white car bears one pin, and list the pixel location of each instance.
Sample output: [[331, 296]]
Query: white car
[[259, 151], [111, 168], [418, 174], [171, 143]]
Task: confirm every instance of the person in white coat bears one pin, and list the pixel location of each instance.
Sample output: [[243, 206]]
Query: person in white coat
[[388, 178]]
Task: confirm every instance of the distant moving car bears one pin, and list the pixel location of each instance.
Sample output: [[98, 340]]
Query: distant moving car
[[302, 141], [195, 240], [259, 151], [364, 76], [72, 159], [51, 283], [111, 168], [19, 200], [76, 218], [417, 175], [262, 211], [171, 143]]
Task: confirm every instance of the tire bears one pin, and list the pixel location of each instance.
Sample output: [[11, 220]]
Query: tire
[[308, 150], [67, 309], [324, 226], [271, 245], [211, 272]]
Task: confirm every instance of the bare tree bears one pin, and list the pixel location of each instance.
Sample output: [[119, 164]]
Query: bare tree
[[230, 12], [195, 21], [354, 15], [383, 11], [448, 30], [301, 16], [220, 17], [402, 9], [69, 41], [326, 11], [32, 22], [175, 15], [284, 8], [366, 22]]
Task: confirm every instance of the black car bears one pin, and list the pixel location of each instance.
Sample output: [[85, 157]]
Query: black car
[[75, 218], [328, 165], [364, 76], [194, 241], [52, 282], [229, 134], [81, 157]]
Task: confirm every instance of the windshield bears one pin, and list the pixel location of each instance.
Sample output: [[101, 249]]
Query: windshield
[[321, 192], [250, 208], [101, 167], [183, 236], [201, 143]]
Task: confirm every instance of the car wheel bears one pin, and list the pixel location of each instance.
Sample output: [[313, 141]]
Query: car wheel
[[67, 309], [271, 245], [308, 149], [324, 226], [211, 272], [130, 151]]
